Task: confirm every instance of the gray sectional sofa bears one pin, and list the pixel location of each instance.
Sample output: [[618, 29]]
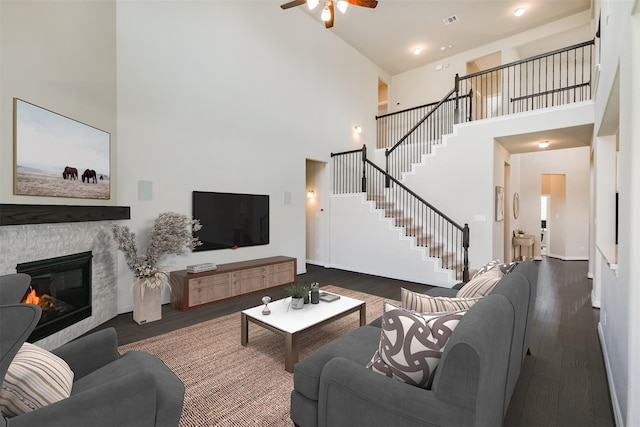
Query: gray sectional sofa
[[473, 383]]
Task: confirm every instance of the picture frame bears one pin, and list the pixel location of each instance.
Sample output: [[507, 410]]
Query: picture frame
[[56, 156], [499, 208]]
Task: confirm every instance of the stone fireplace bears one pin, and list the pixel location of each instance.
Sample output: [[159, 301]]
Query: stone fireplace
[[31, 242]]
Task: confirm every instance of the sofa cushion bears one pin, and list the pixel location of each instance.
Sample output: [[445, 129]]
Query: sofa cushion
[[411, 344], [358, 346], [480, 285], [422, 303], [35, 378], [169, 388]]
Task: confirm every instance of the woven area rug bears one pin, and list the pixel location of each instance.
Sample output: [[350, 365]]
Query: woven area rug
[[227, 384]]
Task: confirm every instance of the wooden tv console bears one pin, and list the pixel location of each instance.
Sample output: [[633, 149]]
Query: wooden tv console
[[190, 290]]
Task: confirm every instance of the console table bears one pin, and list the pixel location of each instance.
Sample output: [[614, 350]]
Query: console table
[[519, 241], [190, 290]]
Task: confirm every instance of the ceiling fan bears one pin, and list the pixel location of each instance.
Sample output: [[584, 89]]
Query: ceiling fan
[[327, 11]]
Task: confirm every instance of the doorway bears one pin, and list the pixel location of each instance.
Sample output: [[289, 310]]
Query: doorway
[[544, 231], [383, 98], [317, 196], [508, 247], [487, 89], [554, 193]]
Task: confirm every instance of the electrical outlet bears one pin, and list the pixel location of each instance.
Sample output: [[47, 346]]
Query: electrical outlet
[[604, 317]]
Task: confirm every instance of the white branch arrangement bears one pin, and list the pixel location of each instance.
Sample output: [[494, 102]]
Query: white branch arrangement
[[171, 234]]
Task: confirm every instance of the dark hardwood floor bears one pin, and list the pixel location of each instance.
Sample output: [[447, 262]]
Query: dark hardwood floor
[[562, 383]]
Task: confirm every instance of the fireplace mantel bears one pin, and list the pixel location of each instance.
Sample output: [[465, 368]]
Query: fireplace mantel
[[16, 214]]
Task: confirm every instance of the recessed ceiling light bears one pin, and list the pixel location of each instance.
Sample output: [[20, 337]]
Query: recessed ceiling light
[[543, 144], [443, 47], [519, 11], [416, 50]]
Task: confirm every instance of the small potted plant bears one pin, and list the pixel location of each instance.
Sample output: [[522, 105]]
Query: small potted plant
[[520, 232], [297, 292]]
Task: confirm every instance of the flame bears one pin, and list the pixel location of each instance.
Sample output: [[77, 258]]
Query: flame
[[31, 298]]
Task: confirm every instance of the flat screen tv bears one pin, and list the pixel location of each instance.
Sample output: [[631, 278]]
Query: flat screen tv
[[231, 220]]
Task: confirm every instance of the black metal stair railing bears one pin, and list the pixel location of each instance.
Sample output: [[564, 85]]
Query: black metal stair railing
[[443, 237], [427, 131], [559, 77]]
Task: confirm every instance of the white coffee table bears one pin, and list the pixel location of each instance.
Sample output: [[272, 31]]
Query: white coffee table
[[289, 322]]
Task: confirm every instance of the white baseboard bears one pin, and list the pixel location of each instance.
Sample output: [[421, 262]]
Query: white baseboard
[[595, 303], [617, 413], [125, 309], [568, 258], [318, 263], [385, 274]]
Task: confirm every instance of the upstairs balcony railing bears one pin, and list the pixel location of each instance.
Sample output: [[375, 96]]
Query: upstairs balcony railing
[[554, 78]]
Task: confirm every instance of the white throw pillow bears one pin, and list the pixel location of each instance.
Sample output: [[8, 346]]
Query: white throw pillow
[[480, 285], [35, 378], [422, 303]]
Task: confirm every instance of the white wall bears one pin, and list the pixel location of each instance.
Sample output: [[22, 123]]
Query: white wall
[[617, 111], [214, 96], [232, 96], [61, 56]]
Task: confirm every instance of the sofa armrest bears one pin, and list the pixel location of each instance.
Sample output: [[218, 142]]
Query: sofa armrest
[[88, 353], [351, 394], [126, 401]]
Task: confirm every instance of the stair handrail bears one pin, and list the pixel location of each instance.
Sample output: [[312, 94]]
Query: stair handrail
[[412, 193], [463, 228], [429, 114]]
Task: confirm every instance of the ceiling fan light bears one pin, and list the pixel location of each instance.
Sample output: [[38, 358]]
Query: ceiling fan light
[[343, 5], [312, 4], [326, 13]]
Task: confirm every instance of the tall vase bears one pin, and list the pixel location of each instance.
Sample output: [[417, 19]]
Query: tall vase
[[146, 303]]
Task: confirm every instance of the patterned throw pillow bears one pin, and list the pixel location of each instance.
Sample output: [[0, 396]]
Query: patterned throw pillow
[[422, 303], [411, 344], [505, 268], [480, 285], [35, 378]]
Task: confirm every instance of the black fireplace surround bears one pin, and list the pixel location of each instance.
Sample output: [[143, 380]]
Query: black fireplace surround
[[61, 286]]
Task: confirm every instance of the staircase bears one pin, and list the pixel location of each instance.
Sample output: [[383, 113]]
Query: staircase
[[556, 78], [441, 239]]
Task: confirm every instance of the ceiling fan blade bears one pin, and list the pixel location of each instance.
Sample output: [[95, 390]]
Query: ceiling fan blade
[[293, 3], [364, 3], [329, 23]]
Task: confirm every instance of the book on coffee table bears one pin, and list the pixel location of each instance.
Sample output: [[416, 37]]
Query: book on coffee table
[[327, 297]]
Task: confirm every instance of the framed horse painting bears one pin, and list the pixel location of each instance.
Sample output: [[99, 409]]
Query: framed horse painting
[[56, 156]]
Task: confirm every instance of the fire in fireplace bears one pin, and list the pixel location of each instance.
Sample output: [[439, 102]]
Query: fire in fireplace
[[61, 286]]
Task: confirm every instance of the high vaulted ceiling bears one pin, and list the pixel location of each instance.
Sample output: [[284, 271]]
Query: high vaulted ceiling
[[387, 34]]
